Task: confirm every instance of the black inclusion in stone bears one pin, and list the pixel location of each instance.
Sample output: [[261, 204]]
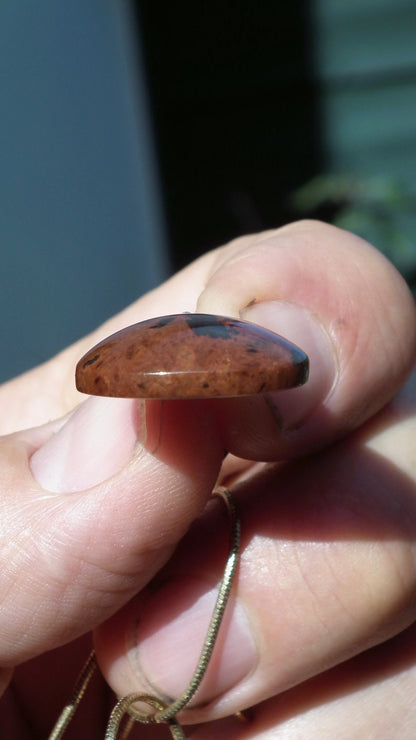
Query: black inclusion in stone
[[163, 321], [210, 326], [92, 360]]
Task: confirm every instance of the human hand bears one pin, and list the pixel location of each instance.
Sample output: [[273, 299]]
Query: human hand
[[326, 569]]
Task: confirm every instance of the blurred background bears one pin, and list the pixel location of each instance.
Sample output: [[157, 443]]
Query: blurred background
[[137, 134]]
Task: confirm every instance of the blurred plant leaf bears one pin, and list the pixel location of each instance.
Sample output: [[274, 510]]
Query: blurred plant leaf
[[380, 209]]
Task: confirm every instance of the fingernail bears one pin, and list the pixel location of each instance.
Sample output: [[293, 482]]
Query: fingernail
[[303, 329], [95, 443], [171, 631]]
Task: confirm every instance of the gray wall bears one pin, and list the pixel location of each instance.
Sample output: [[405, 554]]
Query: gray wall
[[81, 228]]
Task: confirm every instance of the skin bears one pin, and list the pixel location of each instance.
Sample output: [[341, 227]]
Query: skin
[[94, 506]]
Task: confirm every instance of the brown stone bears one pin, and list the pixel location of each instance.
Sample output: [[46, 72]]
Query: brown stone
[[191, 356]]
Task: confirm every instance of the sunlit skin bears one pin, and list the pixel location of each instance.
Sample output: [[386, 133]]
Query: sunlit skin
[[94, 505]]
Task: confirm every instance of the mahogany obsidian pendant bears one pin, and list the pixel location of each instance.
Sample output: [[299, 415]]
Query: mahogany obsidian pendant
[[191, 356]]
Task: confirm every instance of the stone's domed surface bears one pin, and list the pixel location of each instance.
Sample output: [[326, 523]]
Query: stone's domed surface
[[191, 356]]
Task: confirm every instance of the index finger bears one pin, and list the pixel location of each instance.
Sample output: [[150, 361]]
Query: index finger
[[322, 288], [344, 304]]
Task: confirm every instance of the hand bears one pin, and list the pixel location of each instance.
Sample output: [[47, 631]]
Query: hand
[[92, 509]]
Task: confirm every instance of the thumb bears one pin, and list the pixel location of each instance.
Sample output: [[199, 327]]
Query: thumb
[[92, 506]]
